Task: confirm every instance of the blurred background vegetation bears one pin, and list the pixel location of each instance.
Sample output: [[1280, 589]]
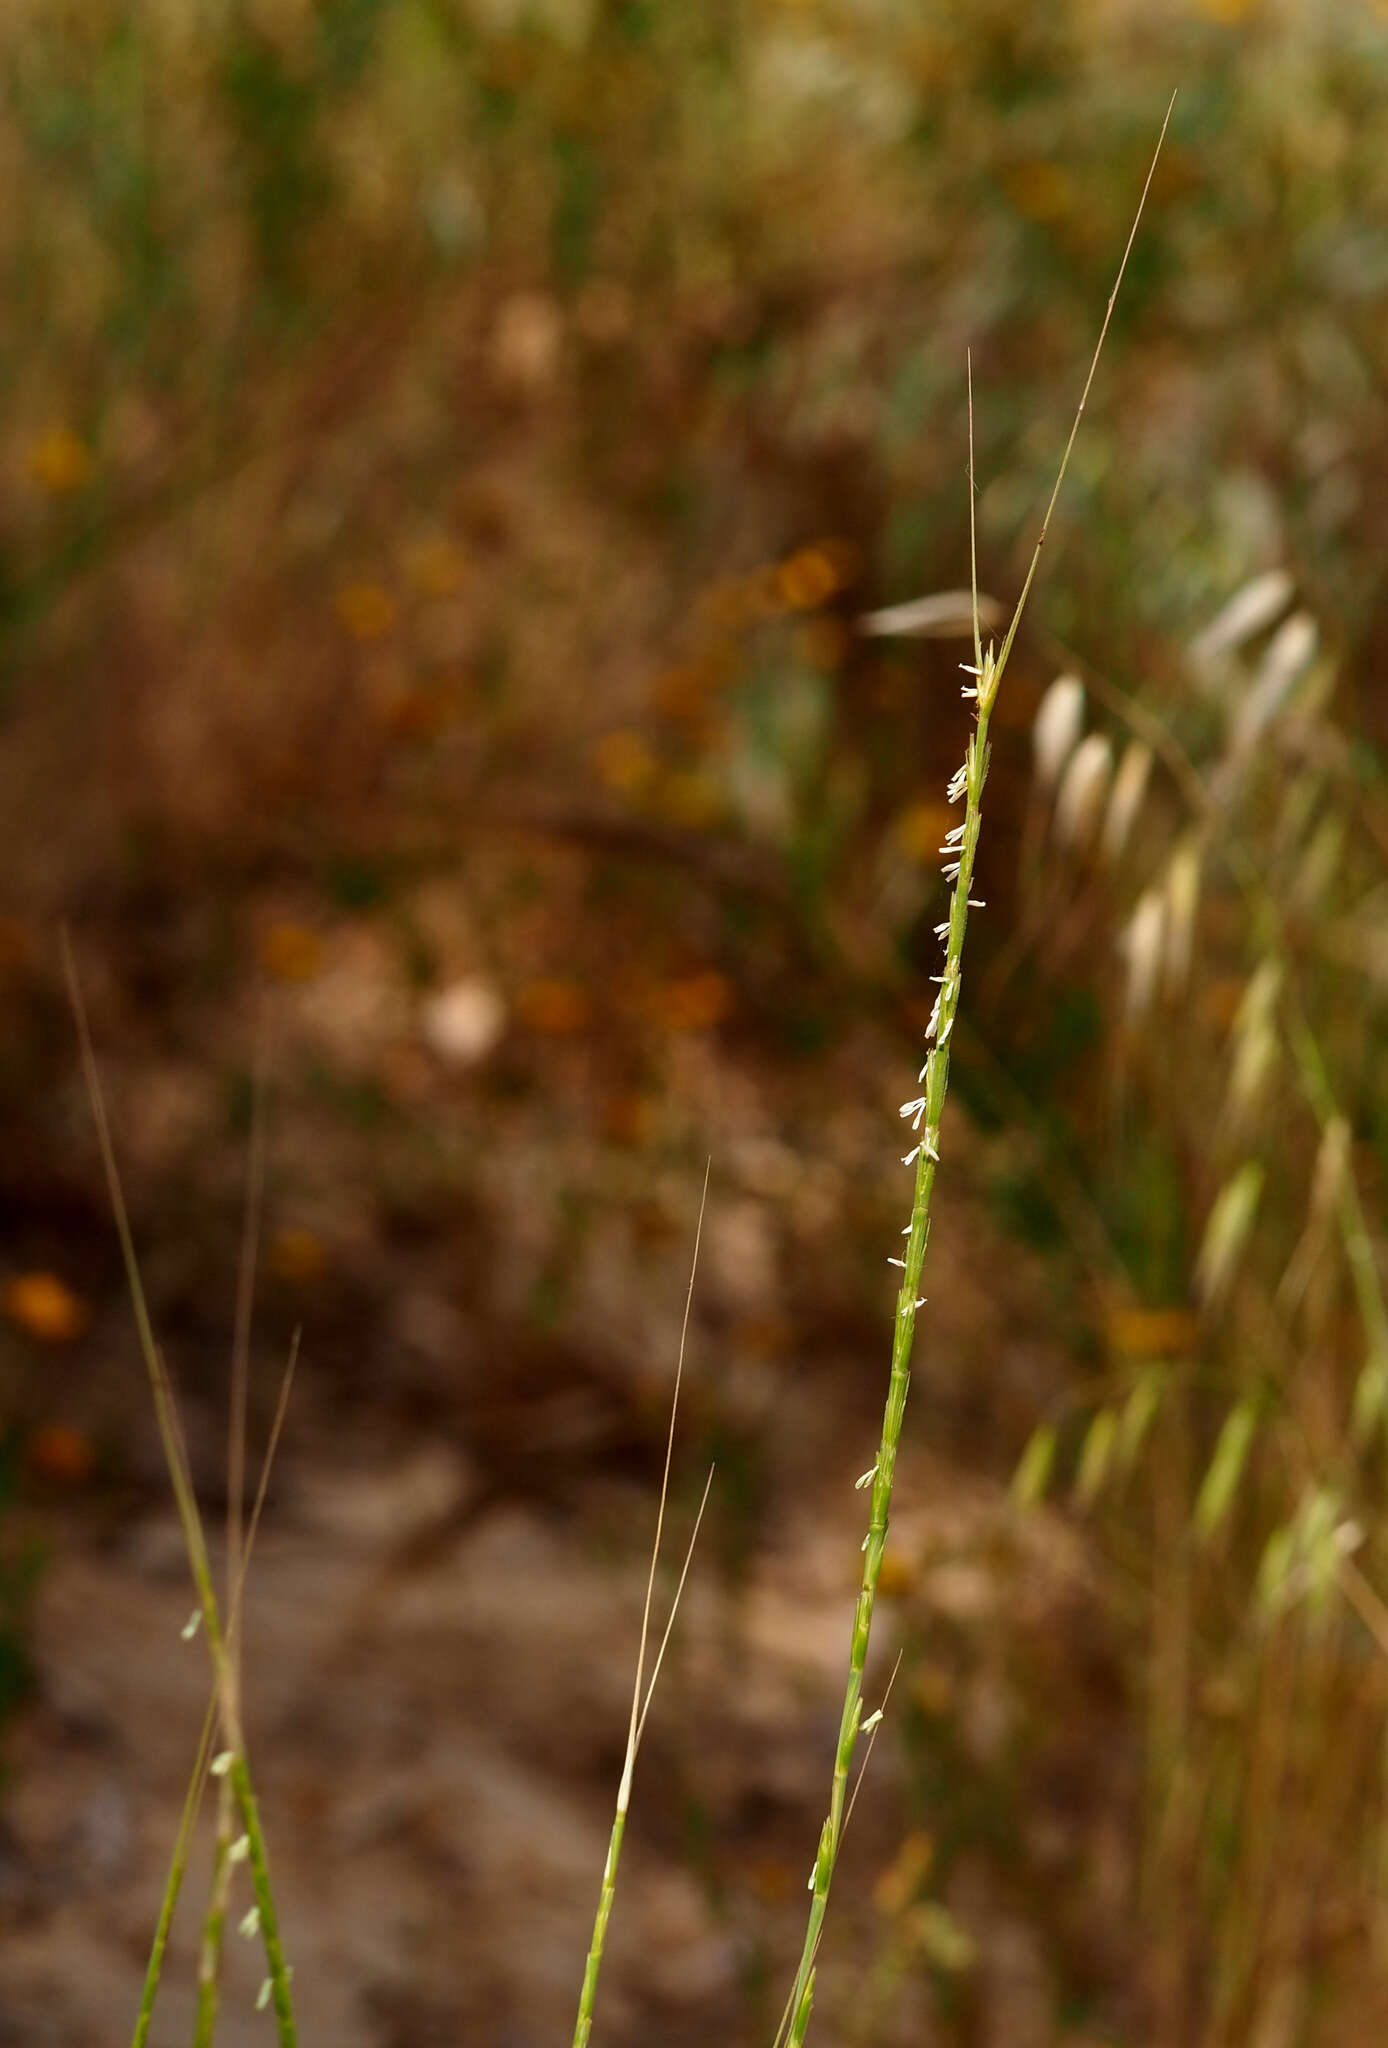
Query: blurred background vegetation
[[447, 451]]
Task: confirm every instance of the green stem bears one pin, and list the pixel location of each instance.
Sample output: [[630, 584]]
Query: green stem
[[927, 1113], [279, 1971], [588, 1996], [214, 1922], [641, 1693], [178, 1865], [194, 1539]]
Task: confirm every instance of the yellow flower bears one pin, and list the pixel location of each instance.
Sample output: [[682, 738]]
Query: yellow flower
[[60, 462], [44, 1307], [367, 610], [807, 579]]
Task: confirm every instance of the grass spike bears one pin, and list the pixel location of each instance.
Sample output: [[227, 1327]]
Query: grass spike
[[987, 673]]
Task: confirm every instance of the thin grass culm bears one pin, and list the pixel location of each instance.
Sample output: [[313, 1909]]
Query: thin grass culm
[[924, 1112], [230, 1763], [642, 1692], [214, 1920]]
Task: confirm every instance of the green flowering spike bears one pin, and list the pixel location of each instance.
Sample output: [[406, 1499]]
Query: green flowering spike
[[1096, 1457], [1227, 1232], [1033, 1473], [1139, 1412], [1226, 1468]]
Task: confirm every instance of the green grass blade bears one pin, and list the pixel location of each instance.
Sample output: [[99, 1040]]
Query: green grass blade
[[195, 1542], [178, 1864], [641, 1693]]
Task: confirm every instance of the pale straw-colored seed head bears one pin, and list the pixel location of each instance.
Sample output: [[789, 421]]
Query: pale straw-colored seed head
[[1056, 729], [1139, 1411], [1255, 1061], [1182, 902], [1228, 1230], [1256, 1045], [1096, 1457], [1141, 945], [1226, 1468], [944, 615], [1248, 611], [1328, 1537], [1259, 999], [1318, 864], [1079, 802], [1290, 653], [1332, 1167], [1275, 1569], [1304, 1556], [1291, 647], [1255, 1041], [1125, 799]]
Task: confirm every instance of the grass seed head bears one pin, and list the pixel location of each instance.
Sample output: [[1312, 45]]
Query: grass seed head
[[1141, 943], [1083, 790], [1056, 729], [1125, 798], [1249, 611]]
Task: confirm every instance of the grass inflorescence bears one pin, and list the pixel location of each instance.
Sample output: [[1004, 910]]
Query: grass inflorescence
[[1246, 1362], [924, 1114]]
